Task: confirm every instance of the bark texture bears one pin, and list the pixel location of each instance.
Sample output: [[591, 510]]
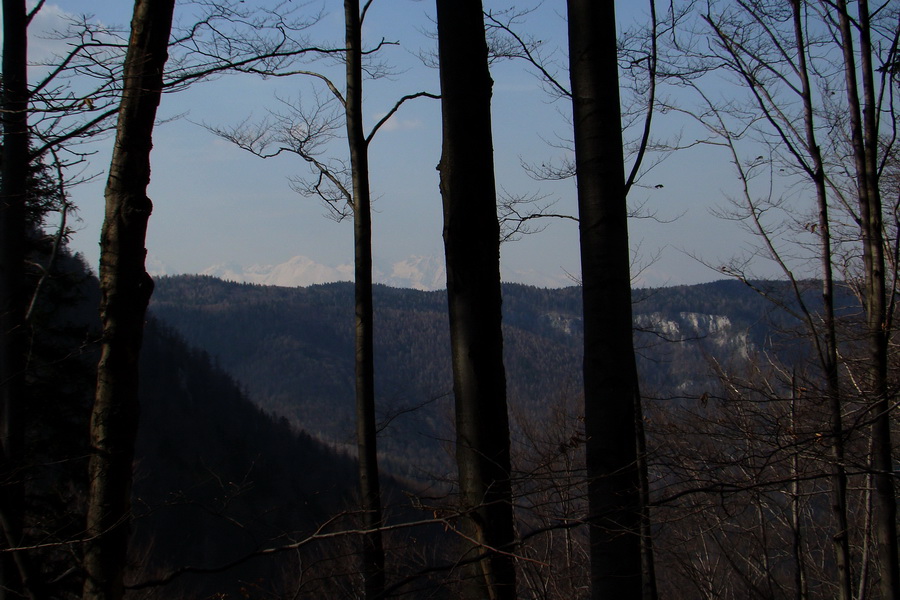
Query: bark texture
[[126, 288], [369, 486], [472, 249], [610, 379]]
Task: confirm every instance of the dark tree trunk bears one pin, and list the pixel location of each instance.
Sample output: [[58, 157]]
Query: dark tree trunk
[[827, 350], [126, 289], [609, 364], [472, 248], [864, 137], [648, 561], [369, 487], [15, 572]]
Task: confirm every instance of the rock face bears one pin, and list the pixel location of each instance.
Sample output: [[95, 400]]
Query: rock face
[[714, 329], [564, 323]]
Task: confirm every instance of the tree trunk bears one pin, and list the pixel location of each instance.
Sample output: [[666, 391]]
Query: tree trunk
[[15, 572], [369, 487], [648, 562], [609, 362], [799, 555], [828, 356], [864, 138], [126, 288], [472, 249]]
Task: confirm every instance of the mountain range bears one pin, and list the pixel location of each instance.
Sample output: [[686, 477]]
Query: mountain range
[[415, 272], [247, 427], [291, 350], [424, 273]]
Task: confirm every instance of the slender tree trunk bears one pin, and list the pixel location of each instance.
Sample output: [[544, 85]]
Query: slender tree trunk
[[369, 487], [864, 137], [828, 356], [472, 248], [800, 586], [126, 288], [868, 536], [15, 571], [609, 362], [648, 562]]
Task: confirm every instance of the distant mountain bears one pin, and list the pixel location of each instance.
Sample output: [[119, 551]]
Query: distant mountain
[[416, 272], [296, 272], [424, 273], [291, 349]]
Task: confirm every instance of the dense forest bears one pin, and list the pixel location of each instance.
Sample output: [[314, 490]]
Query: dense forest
[[196, 438]]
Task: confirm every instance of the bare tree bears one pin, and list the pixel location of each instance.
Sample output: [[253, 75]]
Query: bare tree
[[864, 139], [346, 191], [369, 488], [125, 288], [820, 139], [471, 242], [779, 61], [610, 377], [15, 571]]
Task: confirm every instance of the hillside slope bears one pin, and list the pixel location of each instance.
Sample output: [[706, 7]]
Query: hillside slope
[[216, 478]]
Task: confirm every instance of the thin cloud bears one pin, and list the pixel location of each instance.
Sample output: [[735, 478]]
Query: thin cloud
[[396, 123]]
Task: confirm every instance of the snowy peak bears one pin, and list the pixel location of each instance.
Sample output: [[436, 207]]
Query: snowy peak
[[300, 271], [422, 273], [416, 272]]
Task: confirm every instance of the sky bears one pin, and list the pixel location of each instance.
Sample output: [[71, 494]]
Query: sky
[[215, 204]]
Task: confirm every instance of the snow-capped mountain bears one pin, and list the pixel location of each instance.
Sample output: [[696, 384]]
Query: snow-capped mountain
[[299, 271], [155, 267], [416, 272], [423, 273]]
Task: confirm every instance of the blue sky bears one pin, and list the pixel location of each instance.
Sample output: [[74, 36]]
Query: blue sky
[[215, 203]]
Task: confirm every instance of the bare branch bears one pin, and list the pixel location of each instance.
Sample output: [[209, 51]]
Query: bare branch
[[395, 108]]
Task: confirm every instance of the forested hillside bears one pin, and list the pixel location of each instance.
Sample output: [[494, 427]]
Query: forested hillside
[[726, 424], [291, 349], [217, 479]]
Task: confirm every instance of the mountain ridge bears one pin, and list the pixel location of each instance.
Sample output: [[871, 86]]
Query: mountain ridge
[[419, 272], [291, 350]]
